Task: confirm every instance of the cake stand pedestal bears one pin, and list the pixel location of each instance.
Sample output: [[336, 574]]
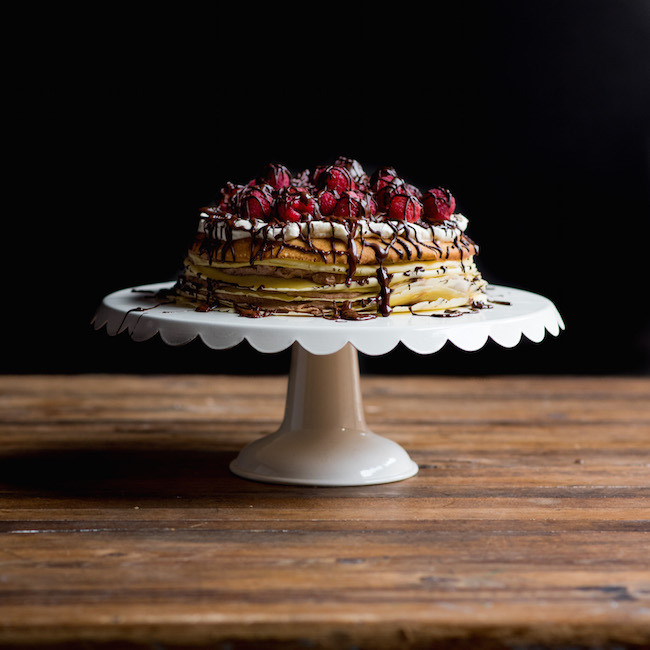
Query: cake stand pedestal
[[323, 439]]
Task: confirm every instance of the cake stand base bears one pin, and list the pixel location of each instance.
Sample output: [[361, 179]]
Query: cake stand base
[[323, 439]]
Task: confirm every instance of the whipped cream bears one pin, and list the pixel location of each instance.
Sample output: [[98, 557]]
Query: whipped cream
[[244, 228]]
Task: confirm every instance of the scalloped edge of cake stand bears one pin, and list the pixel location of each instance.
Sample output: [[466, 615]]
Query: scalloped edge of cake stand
[[130, 310]]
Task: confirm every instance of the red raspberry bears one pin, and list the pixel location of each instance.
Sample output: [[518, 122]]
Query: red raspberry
[[350, 206], [372, 204], [404, 207], [327, 200], [354, 167], [383, 176], [335, 178], [275, 175], [229, 193], [255, 202], [412, 190], [386, 193], [439, 204], [317, 172], [294, 204], [384, 183]]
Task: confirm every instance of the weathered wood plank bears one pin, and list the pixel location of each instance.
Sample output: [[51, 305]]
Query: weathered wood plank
[[529, 522]]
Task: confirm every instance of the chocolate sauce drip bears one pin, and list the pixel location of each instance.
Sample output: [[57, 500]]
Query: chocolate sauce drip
[[141, 310], [206, 307], [353, 257], [345, 311], [263, 243], [383, 302], [448, 313], [248, 311], [407, 236]]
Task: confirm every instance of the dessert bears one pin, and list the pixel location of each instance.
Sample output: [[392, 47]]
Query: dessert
[[333, 242]]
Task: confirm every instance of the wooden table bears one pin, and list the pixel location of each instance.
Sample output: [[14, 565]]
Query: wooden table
[[121, 525]]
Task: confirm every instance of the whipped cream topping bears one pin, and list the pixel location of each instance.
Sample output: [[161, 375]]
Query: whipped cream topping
[[225, 230]]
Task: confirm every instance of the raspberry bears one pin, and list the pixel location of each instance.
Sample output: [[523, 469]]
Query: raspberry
[[275, 175], [229, 193], [255, 202], [353, 166], [384, 183], [350, 206], [327, 200], [335, 178], [386, 193], [404, 207], [317, 172], [294, 204], [439, 204], [413, 190], [372, 204], [384, 176]]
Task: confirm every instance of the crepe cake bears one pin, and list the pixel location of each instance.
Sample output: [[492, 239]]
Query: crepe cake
[[333, 242]]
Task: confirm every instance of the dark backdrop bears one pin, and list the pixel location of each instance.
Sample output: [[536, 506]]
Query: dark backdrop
[[535, 114]]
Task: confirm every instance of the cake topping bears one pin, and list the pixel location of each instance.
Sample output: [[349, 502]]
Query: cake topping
[[335, 178], [334, 241], [335, 192], [385, 182], [439, 204], [327, 200], [351, 205], [357, 172], [336, 201], [275, 175], [295, 204], [229, 194], [255, 202], [404, 207]]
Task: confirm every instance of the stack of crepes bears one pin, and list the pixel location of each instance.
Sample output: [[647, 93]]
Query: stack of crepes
[[332, 242]]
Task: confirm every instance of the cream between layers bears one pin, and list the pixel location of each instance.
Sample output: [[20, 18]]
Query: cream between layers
[[243, 228]]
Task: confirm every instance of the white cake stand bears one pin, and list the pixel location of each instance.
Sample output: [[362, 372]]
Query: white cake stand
[[323, 439]]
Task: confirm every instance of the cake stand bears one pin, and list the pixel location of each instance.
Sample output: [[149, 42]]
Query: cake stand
[[323, 439]]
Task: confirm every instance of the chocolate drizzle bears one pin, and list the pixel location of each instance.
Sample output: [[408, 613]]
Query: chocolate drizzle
[[476, 306], [251, 312], [219, 231], [383, 302], [345, 311]]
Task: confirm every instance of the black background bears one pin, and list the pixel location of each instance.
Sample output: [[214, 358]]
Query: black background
[[535, 114]]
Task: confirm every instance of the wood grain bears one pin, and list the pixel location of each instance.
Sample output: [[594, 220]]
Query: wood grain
[[528, 524]]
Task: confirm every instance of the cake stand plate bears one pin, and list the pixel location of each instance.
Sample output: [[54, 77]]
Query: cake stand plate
[[323, 439]]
